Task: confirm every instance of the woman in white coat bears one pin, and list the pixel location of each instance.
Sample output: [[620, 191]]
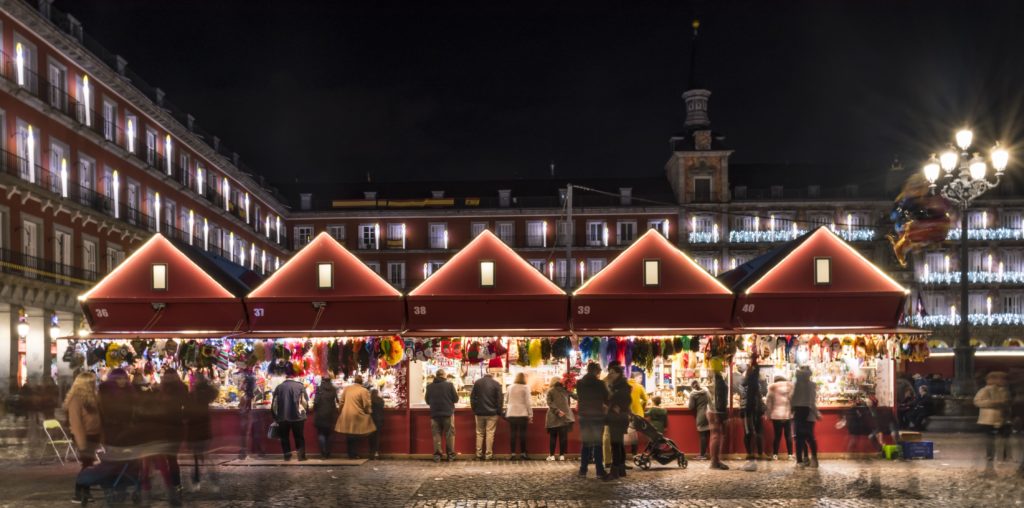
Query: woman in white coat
[[519, 413]]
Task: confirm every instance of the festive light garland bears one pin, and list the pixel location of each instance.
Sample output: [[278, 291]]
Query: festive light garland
[[1000, 319], [703, 237], [750, 236], [987, 234], [946, 278]]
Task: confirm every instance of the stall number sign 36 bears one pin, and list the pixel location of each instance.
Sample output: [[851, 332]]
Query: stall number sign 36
[[749, 307], [102, 313]]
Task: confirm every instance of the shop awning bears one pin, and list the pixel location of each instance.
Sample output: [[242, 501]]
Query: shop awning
[[324, 290], [163, 291], [815, 283], [486, 289], [651, 288]]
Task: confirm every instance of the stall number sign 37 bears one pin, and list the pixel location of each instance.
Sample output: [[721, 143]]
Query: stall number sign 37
[[749, 307], [258, 312]]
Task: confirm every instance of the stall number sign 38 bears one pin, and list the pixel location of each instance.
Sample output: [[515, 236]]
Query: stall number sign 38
[[419, 310], [749, 307]]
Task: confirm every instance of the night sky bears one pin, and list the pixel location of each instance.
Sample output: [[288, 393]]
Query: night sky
[[329, 91]]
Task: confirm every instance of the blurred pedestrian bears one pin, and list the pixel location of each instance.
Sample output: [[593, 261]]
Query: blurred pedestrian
[[377, 404], [637, 406], [917, 417], [485, 401], [47, 397], [717, 415], [199, 430], [592, 394], [779, 411], [289, 407], [250, 421], [355, 420], [117, 407], [993, 402], [325, 414], [167, 426], [559, 418], [805, 414], [752, 410], [82, 406], [698, 402], [618, 419], [441, 397], [519, 413]]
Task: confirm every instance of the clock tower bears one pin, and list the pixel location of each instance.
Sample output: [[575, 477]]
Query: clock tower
[[698, 169]]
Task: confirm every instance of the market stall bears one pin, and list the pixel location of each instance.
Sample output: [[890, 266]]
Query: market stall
[[665, 311], [816, 301], [486, 309]]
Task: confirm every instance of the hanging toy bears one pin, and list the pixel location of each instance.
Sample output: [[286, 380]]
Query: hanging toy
[[535, 353]]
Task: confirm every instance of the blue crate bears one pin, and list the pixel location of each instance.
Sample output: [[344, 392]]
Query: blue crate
[[918, 450]]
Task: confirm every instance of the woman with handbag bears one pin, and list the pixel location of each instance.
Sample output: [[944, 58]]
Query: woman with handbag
[[559, 418], [519, 413]]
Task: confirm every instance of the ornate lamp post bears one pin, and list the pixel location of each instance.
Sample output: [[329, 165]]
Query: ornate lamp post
[[962, 177]]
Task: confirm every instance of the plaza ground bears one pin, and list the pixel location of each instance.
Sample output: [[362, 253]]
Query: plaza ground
[[956, 477]]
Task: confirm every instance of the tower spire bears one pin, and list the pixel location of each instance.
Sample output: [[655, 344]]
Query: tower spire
[[696, 96]]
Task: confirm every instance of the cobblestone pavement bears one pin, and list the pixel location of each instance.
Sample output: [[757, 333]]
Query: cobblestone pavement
[[954, 480]]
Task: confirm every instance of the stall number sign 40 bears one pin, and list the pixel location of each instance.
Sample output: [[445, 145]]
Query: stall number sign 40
[[749, 307]]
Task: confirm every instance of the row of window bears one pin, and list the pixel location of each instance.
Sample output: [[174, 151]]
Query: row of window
[[941, 303], [372, 236], [124, 128], [31, 260], [978, 260], [778, 221]]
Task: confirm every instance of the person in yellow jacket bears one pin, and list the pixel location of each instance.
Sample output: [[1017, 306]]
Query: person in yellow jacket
[[638, 405]]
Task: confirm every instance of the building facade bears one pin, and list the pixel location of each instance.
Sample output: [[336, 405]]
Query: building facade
[[93, 162]]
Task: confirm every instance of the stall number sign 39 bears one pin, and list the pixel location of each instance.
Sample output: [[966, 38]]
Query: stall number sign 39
[[749, 307], [582, 310]]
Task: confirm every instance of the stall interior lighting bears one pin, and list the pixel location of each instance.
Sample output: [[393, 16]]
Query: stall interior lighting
[[487, 274], [159, 277], [652, 272], [325, 275]]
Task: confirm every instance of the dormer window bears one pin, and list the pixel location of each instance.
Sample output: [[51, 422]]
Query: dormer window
[[324, 275], [159, 277], [652, 273], [487, 274], [822, 271]]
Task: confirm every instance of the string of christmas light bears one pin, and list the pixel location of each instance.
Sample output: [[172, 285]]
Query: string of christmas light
[[944, 278], [996, 319], [987, 234]]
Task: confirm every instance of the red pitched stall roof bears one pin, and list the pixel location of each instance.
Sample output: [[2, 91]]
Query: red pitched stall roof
[[619, 301], [354, 301], [128, 302], [454, 300], [779, 290]]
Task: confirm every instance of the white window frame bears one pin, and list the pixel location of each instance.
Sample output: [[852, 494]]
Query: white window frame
[[506, 231], [337, 231], [398, 282], [597, 233], [619, 230], [368, 236], [436, 232], [475, 228], [303, 235], [536, 238], [109, 119]]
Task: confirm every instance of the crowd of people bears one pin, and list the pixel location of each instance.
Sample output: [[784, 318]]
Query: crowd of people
[[142, 426]]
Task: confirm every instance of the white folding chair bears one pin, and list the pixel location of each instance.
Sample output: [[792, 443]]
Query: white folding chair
[[54, 425]]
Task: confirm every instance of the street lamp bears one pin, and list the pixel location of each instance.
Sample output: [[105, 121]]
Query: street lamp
[[54, 326], [22, 327], [964, 177]]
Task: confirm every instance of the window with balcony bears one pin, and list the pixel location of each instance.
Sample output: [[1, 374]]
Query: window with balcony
[[746, 221], [109, 120], [60, 156], [594, 265], [1011, 219], [820, 219], [660, 225], [396, 274], [935, 304], [396, 235], [563, 275], [25, 63], [115, 255], [597, 235], [337, 231], [303, 235], [86, 178], [535, 234], [625, 232], [977, 302], [975, 260], [151, 147], [702, 190], [977, 219], [564, 232], [1013, 303], [507, 232], [28, 146], [58, 86], [431, 266], [707, 262], [537, 263], [184, 167], [90, 254], [438, 235], [374, 265], [368, 236], [702, 223], [131, 131], [84, 93], [1012, 260], [475, 228]]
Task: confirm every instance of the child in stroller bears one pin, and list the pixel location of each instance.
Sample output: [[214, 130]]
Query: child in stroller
[[115, 475], [659, 448]]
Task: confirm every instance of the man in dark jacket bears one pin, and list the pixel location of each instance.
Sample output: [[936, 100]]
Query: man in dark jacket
[[485, 399], [716, 418], [752, 409], [592, 395], [289, 407], [441, 397], [618, 418]]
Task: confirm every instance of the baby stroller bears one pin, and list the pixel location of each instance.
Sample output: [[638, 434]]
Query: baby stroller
[[659, 448], [115, 477]]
